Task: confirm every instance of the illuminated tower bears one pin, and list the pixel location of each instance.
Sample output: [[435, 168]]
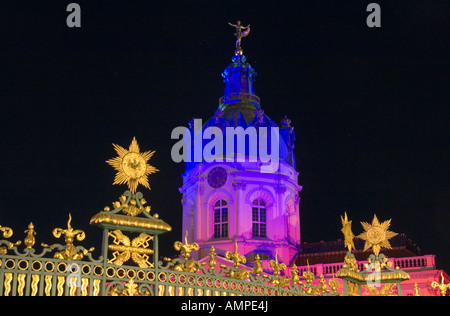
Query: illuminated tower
[[235, 202]]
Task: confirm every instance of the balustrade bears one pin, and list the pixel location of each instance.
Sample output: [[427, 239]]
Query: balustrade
[[426, 261]]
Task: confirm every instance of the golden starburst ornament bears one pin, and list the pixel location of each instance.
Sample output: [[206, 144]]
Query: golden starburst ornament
[[131, 165], [377, 235], [347, 231]]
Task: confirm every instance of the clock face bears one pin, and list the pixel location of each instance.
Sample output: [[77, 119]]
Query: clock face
[[217, 177]]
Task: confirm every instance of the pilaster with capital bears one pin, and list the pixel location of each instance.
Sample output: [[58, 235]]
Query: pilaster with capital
[[280, 188], [199, 218], [239, 185]]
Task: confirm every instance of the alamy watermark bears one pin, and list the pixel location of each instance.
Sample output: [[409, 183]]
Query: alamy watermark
[[228, 144], [374, 278], [74, 278]]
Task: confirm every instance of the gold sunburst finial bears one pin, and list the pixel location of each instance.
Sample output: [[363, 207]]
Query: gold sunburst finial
[[377, 235], [348, 234], [132, 167]]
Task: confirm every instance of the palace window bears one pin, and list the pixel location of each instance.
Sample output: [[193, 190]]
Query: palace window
[[259, 223], [220, 219]]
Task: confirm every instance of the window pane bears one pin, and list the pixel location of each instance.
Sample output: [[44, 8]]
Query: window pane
[[262, 203], [262, 230], [262, 215], [255, 214], [217, 216], [216, 231], [224, 215], [255, 202], [224, 203], [217, 203], [224, 230], [255, 230]]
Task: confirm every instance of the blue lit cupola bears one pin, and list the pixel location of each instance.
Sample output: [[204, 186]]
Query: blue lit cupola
[[241, 107], [239, 101]]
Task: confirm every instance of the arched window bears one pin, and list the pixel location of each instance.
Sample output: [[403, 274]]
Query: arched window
[[259, 223], [220, 219]]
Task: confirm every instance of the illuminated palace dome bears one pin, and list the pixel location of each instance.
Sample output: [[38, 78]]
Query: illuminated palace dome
[[240, 107], [234, 201]]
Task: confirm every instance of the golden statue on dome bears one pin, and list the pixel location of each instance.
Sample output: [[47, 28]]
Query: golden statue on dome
[[241, 31]]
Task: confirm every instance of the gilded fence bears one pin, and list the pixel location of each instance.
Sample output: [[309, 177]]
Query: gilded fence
[[69, 270], [130, 265]]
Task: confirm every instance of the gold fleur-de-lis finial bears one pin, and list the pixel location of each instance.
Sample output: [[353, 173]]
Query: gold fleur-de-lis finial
[[236, 257], [70, 234], [186, 248], [443, 288], [70, 252], [277, 267], [308, 275]]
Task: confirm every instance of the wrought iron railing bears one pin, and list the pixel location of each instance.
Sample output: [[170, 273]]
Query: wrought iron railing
[[130, 266], [29, 274]]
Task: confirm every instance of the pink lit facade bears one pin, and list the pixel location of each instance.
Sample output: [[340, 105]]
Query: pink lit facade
[[257, 211]]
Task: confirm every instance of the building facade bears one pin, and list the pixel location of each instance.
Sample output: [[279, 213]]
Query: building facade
[[232, 201]]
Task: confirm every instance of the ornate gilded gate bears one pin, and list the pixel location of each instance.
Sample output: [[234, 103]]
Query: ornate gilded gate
[[129, 264]]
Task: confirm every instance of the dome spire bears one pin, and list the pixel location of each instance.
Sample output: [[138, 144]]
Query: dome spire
[[239, 77]]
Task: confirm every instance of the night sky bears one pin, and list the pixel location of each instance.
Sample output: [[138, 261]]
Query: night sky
[[370, 107]]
